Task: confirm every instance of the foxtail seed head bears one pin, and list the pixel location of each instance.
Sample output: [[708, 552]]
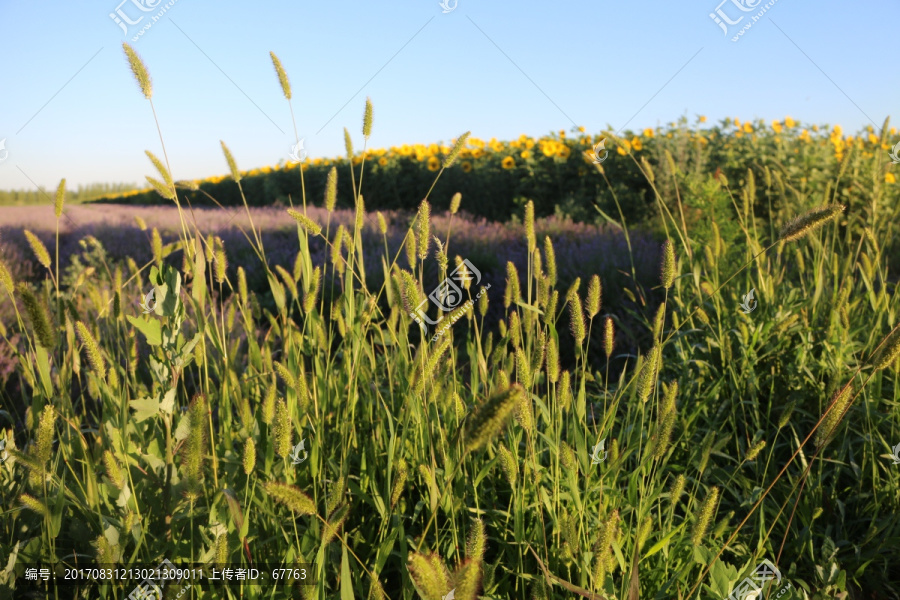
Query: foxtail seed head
[[515, 329], [360, 213], [667, 269], [552, 360], [113, 470], [35, 505], [659, 320], [705, 516], [512, 284], [550, 257], [410, 248], [609, 334], [647, 377], [192, 459], [399, 482], [454, 203], [509, 464], [382, 224], [242, 285], [283, 428], [310, 297], [232, 165], [221, 550], [802, 225], [291, 497], [889, 352], [577, 318], [39, 249], [644, 531], [6, 278], [488, 419], [60, 198], [249, 456], [308, 224], [367, 119], [841, 400], [476, 541], [139, 70], [429, 574], [334, 522], [221, 263], [423, 229], [331, 189], [46, 426], [755, 450], [161, 188], [268, 405], [565, 391], [282, 76], [348, 144], [677, 489], [161, 169], [594, 296], [93, 350], [39, 316], [529, 226], [451, 158]]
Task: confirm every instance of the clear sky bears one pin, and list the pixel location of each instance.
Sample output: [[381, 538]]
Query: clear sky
[[69, 106]]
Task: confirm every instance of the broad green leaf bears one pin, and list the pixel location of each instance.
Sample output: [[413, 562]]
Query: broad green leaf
[[168, 402], [57, 511], [43, 364], [183, 429], [277, 291], [144, 408], [151, 328], [662, 543], [346, 582]]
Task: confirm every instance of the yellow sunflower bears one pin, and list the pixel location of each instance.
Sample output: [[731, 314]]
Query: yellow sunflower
[[383, 161], [637, 144], [525, 154], [889, 178], [466, 166], [508, 163], [433, 163], [563, 151], [789, 122]]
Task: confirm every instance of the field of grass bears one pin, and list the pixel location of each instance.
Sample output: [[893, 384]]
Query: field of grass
[[605, 422]]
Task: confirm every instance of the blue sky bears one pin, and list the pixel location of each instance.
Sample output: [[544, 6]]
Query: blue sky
[[69, 106]]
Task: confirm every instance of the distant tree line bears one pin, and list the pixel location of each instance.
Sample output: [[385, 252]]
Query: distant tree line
[[83, 193]]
